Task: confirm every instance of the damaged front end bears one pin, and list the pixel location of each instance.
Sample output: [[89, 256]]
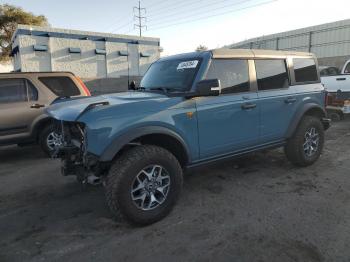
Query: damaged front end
[[76, 160]]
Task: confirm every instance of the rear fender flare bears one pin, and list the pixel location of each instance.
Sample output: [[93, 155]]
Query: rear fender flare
[[299, 115]]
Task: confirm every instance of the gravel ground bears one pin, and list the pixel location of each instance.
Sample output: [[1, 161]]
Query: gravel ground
[[260, 208]]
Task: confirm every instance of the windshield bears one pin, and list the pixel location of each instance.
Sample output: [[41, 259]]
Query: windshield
[[173, 75]]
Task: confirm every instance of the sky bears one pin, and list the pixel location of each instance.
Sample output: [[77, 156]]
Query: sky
[[182, 25]]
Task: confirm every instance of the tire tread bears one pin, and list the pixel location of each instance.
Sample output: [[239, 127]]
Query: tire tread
[[120, 168]]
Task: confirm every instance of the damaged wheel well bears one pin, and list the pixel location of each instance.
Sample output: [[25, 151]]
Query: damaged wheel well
[[315, 111], [167, 142]]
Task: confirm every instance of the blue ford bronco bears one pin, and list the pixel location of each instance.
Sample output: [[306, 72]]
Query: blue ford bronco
[[190, 110]]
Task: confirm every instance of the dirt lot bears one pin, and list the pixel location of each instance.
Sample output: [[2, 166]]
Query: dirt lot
[[260, 208]]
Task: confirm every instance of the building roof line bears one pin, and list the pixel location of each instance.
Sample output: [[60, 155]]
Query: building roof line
[[83, 35], [292, 33]]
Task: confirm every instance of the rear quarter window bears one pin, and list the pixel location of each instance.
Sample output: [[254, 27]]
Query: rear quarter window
[[305, 70], [61, 86]]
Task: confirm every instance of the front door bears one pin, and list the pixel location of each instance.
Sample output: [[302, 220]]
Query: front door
[[230, 122]]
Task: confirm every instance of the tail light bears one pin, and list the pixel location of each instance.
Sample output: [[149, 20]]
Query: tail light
[[86, 90], [327, 97]]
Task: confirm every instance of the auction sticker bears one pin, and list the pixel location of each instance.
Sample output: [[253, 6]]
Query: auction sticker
[[187, 64]]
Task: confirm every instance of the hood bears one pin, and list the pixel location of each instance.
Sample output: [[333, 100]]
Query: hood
[[72, 110]]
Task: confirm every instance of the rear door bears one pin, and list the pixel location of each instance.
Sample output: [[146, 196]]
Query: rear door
[[277, 100], [18, 108], [229, 122]]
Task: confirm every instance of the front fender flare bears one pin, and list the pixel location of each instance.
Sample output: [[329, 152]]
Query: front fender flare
[[299, 115], [118, 143]]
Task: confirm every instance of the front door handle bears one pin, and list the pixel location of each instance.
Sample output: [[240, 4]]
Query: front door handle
[[341, 79], [290, 100], [247, 106], [37, 106]]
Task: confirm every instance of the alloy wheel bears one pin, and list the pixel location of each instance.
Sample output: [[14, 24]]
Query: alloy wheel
[[311, 142], [150, 187], [53, 140]]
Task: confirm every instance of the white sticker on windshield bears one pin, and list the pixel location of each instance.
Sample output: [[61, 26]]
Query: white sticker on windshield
[[187, 64]]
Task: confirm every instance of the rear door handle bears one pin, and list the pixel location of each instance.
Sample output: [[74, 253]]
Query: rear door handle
[[37, 106], [247, 106], [341, 79], [290, 100]]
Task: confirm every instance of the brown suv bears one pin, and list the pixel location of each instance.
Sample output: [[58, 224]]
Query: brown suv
[[23, 98]]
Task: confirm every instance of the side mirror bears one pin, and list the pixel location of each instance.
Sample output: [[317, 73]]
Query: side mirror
[[132, 85], [208, 87]]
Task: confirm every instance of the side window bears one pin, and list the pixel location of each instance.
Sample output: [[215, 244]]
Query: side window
[[32, 91], [305, 70], [12, 91], [347, 69], [60, 85], [233, 75], [271, 74]]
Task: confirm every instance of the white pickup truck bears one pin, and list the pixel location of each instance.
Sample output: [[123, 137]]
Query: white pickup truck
[[338, 88], [341, 82]]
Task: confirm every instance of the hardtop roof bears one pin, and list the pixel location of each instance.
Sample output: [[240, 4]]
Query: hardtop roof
[[238, 53], [255, 53]]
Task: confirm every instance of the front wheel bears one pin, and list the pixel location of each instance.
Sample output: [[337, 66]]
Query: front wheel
[[50, 140], [306, 145], [143, 184]]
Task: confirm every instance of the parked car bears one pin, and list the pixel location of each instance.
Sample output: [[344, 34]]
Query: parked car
[[23, 98], [338, 88], [191, 110]]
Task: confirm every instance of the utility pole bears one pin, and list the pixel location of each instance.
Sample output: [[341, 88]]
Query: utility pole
[[141, 19]]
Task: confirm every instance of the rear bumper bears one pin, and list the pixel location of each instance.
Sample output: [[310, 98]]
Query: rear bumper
[[326, 122], [343, 109]]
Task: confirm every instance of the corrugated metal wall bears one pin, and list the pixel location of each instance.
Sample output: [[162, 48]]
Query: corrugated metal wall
[[327, 40]]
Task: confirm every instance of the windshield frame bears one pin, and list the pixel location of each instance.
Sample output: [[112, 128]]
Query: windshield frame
[[172, 89]]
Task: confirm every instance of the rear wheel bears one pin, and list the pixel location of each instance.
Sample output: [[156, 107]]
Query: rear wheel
[[144, 184], [306, 145], [49, 140], [335, 116]]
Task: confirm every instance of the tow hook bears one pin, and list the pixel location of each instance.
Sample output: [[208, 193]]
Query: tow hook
[[93, 180]]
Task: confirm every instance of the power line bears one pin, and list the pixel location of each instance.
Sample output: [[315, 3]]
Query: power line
[[219, 14], [140, 18], [117, 21], [120, 19], [159, 4], [122, 26], [159, 10], [208, 5], [130, 30]]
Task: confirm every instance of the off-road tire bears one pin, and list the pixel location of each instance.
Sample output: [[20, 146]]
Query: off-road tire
[[294, 148], [122, 174], [42, 139]]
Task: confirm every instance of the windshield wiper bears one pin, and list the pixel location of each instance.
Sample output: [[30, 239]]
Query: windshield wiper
[[164, 89]]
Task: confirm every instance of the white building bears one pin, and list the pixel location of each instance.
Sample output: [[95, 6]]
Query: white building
[[330, 42], [90, 55], [6, 66]]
